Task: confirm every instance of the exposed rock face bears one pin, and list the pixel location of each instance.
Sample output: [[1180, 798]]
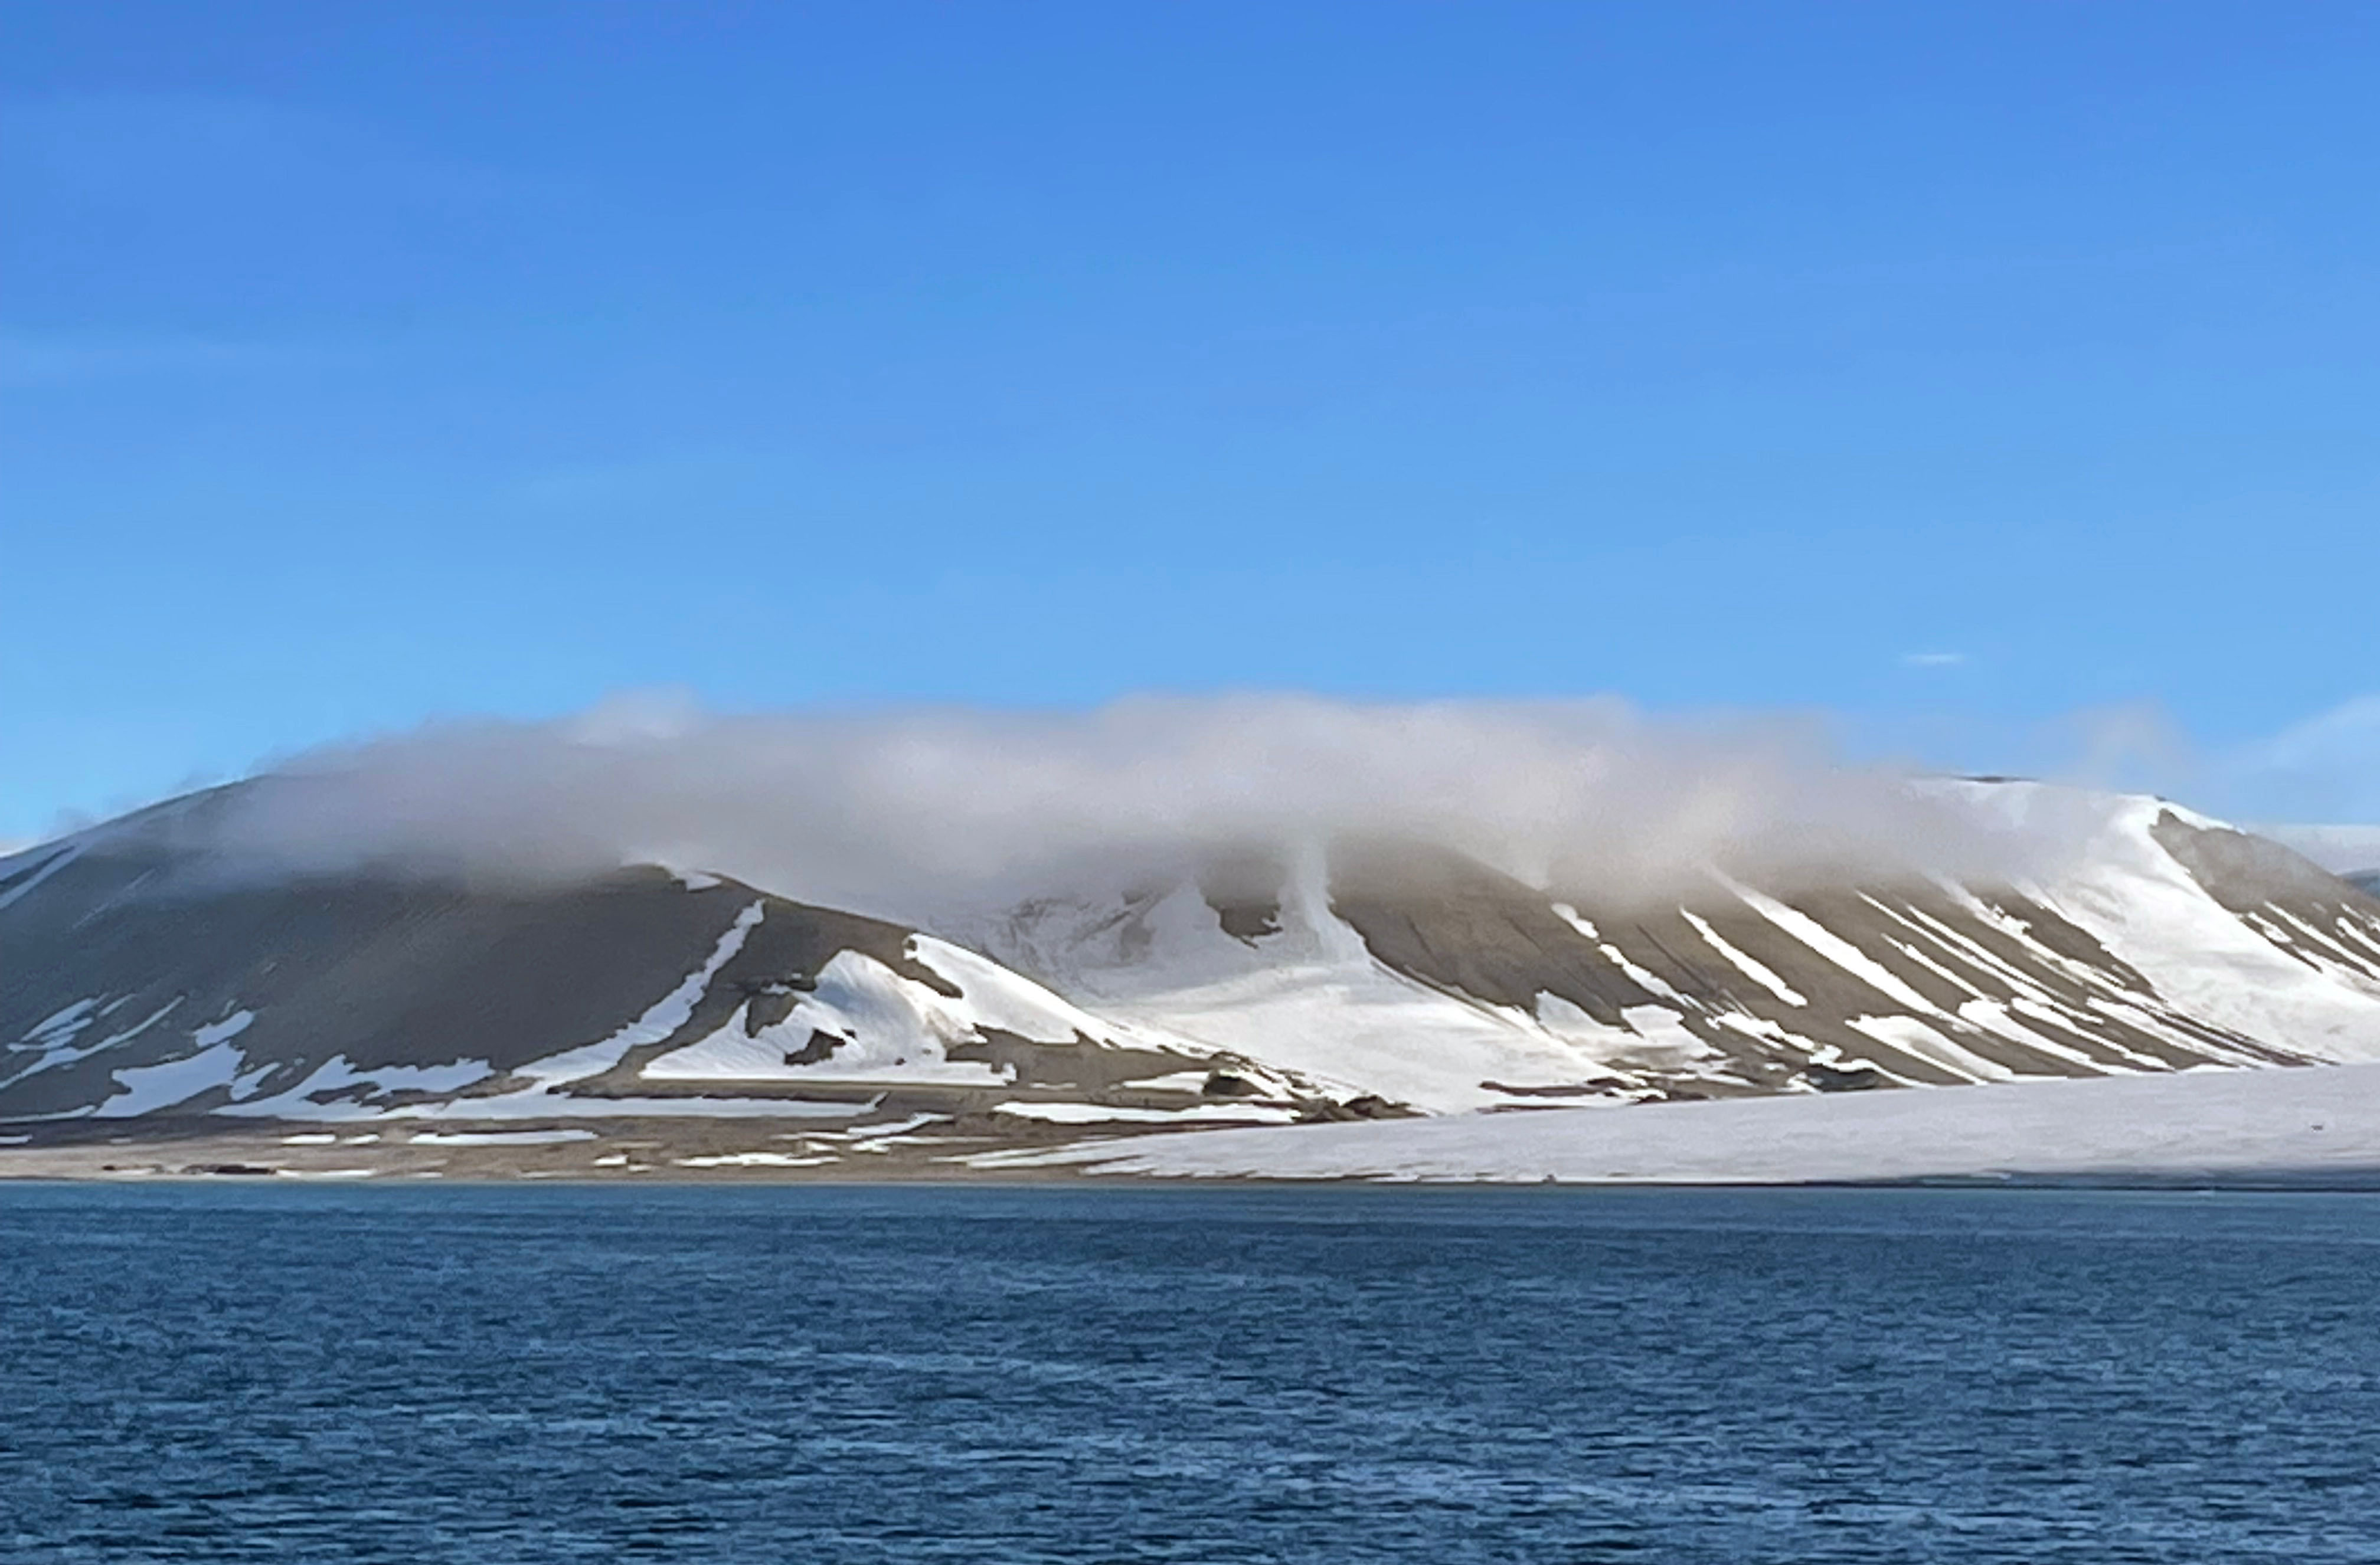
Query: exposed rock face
[[1461, 927], [2246, 872]]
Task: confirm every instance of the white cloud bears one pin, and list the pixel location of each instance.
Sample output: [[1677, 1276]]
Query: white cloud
[[902, 812], [1932, 660]]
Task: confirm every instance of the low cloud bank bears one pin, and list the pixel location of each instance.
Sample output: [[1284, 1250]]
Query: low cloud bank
[[901, 812]]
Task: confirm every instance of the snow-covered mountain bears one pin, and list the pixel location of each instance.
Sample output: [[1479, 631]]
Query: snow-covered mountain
[[145, 982], [2167, 942]]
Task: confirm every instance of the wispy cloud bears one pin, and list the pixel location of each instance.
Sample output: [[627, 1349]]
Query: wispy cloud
[[1932, 660], [2324, 769]]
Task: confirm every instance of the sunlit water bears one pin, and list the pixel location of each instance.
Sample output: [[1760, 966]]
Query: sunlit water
[[492, 1375]]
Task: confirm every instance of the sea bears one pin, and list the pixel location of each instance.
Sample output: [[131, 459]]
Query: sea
[[276, 1371]]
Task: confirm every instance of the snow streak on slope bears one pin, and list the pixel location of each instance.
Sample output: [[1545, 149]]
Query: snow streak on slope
[[1415, 974], [669, 1014], [965, 1022], [1307, 996]]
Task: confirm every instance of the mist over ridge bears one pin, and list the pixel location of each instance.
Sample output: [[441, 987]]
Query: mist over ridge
[[892, 810]]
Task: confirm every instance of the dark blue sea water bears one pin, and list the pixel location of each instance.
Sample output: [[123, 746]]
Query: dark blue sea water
[[492, 1375]]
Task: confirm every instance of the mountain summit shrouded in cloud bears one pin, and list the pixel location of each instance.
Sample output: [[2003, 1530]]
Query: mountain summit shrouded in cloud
[[902, 812], [948, 932]]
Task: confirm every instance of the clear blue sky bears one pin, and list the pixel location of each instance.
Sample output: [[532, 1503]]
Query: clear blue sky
[[361, 363]]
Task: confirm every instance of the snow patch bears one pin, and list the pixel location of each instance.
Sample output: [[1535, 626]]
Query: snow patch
[[1095, 1114], [229, 1027], [498, 1137], [337, 1075], [147, 1088]]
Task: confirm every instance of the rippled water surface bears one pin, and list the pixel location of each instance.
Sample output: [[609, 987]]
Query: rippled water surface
[[493, 1375]]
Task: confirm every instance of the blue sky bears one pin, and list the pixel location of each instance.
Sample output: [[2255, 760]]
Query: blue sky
[[1950, 369]]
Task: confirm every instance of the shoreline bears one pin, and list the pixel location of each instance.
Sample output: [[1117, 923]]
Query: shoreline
[[2305, 1128], [262, 1161]]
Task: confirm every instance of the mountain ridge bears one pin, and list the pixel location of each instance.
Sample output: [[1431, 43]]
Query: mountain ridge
[[145, 986]]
